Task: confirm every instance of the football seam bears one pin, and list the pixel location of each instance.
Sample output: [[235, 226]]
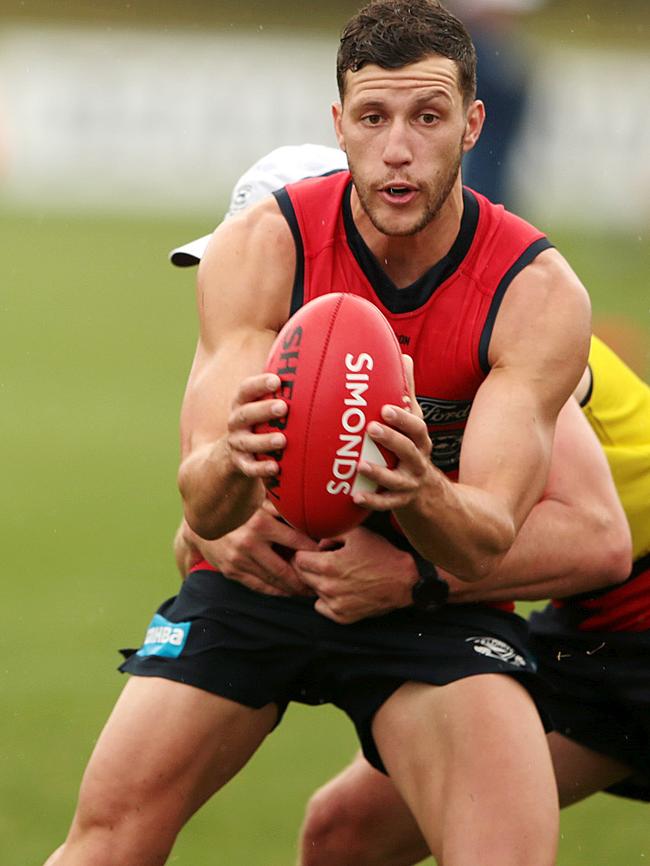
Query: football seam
[[319, 370]]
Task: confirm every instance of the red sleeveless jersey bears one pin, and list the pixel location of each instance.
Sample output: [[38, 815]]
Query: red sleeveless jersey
[[444, 320]]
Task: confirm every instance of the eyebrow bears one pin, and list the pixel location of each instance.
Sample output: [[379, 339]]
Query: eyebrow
[[432, 95]]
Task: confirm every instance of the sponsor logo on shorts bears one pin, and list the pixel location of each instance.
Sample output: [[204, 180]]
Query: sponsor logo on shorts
[[494, 648], [165, 638]]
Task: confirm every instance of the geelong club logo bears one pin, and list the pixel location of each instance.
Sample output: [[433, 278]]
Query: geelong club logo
[[494, 648]]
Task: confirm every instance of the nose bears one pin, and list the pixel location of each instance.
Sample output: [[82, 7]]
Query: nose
[[397, 149]]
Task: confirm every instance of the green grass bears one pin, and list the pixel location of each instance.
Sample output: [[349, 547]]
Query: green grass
[[98, 335]]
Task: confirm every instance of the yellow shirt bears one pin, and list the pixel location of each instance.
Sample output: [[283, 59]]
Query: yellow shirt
[[618, 410]]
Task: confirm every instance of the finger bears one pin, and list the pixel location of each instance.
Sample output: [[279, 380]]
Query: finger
[[331, 544], [257, 387], [336, 615], [409, 458], [251, 467], [409, 372], [316, 562], [387, 500], [270, 508], [390, 480], [277, 570], [247, 415], [256, 443], [287, 536], [407, 422], [318, 584]]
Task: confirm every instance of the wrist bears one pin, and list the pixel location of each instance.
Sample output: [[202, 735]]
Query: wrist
[[430, 591]]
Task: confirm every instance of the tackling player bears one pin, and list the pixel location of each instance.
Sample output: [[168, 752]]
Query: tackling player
[[592, 646]]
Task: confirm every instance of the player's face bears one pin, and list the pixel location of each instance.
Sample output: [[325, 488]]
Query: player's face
[[404, 132]]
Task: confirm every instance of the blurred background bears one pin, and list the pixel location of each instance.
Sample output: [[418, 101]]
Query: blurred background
[[123, 127]]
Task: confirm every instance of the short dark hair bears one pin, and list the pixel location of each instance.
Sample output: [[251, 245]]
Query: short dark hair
[[394, 33]]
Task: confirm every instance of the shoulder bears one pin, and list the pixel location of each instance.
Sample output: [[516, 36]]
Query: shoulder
[[545, 297], [247, 272], [261, 230], [544, 321]]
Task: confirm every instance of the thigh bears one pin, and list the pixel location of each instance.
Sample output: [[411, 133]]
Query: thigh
[[473, 754], [580, 771], [165, 749]]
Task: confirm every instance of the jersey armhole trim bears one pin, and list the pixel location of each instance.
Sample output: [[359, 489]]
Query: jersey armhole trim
[[529, 254], [590, 388], [298, 291]]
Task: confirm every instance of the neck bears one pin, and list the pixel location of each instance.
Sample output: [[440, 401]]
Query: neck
[[404, 259]]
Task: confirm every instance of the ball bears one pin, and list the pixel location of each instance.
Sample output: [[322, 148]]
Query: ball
[[339, 362]]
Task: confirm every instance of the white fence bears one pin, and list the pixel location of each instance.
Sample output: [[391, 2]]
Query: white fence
[[167, 121]]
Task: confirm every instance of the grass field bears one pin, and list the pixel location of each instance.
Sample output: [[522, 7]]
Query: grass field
[[97, 340]]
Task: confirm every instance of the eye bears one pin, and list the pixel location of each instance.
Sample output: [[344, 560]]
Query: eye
[[372, 119], [428, 118]]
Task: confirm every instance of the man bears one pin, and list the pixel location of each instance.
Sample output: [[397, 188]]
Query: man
[[498, 326], [592, 646]]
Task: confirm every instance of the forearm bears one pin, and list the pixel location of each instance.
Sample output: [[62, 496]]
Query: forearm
[[558, 552], [217, 497], [462, 529]]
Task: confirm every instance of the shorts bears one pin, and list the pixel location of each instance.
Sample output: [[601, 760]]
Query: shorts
[[220, 636], [599, 692]]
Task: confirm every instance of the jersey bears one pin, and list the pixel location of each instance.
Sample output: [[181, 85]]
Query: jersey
[[444, 320], [617, 407]]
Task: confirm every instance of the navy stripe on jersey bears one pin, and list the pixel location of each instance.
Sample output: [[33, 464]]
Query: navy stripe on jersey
[[298, 291], [418, 293], [590, 390], [528, 255]]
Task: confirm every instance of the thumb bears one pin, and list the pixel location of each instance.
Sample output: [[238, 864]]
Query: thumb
[[410, 379], [335, 543]]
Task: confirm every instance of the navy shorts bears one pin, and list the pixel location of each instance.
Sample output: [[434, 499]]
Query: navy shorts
[[599, 692], [256, 649]]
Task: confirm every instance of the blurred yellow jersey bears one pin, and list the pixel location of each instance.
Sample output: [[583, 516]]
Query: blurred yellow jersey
[[617, 407]]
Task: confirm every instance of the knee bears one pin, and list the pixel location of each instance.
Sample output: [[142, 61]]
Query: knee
[[333, 832], [118, 827]]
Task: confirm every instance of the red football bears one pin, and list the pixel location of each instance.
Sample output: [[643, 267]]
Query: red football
[[339, 362]]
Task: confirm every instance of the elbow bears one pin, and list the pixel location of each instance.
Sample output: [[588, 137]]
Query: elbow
[[203, 526], [489, 553], [616, 553], [199, 517]]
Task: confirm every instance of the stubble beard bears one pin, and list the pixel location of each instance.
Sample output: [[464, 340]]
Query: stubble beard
[[435, 200]]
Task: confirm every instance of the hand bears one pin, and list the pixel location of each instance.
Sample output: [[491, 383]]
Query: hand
[[357, 575], [253, 556], [405, 434], [250, 407]]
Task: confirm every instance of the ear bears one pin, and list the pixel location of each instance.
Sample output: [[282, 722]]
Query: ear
[[337, 114], [474, 124]]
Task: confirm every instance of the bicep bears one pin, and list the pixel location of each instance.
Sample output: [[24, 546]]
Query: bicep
[[215, 376], [538, 353], [243, 298]]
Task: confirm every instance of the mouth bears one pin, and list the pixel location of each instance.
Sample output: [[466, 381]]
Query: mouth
[[398, 193]]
